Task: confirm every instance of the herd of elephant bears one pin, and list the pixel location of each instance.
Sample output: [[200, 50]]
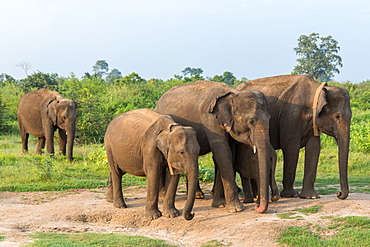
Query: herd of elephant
[[241, 126]]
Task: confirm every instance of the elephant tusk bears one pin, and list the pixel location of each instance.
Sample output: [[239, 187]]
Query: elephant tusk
[[254, 149], [171, 168]]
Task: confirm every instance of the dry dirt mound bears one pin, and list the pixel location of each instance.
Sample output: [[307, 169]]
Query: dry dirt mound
[[87, 211]]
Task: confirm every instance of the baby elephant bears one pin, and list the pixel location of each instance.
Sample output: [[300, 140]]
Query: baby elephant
[[143, 143], [246, 164]]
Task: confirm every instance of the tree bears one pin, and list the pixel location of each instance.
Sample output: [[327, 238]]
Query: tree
[[40, 80], [25, 66], [100, 68], [227, 77], [113, 75], [318, 57], [192, 71]]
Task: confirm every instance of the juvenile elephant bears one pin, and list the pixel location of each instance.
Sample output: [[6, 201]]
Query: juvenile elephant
[[143, 143], [300, 109], [246, 164], [220, 114], [42, 112]]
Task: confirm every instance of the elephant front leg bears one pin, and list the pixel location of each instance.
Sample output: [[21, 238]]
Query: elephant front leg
[[169, 209], [310, 168], [223, 161], [151, 210], [247, 189], [41, 145], [290, 166], [62, 141]]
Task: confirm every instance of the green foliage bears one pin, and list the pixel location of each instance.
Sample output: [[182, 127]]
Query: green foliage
[[91, 239], [349, 231], [318, 57], [40, 80]]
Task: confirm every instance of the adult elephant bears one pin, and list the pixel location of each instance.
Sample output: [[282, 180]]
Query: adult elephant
[[42, 112], [220, 114], [143, 143], [300, 109]]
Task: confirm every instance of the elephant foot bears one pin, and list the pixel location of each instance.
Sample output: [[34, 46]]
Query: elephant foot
[[235, 207], [275, 198], [199, 195], [171, 212], [309, 194], [120, 205], [248, 200], [153, 214], [218, 203], [289, 193], [109, 195]]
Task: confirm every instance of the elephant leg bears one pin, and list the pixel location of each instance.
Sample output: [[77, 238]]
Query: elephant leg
[[312, 153], [274, 188], [153, 174], [290, 166], [49, 136], [118, 200], [25, 142], [24, 137], [169, 209], [109, 190], [246, 183], [41, 145], [218, 190], [62, 141]]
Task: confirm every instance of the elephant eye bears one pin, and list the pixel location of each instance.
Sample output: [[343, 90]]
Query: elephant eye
[[182, 153], [337, 116], [251, 122]]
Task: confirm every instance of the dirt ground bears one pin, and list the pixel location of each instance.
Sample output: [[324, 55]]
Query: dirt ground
[[87, 211]]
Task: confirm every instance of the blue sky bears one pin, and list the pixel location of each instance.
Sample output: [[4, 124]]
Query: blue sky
[[159, 38]]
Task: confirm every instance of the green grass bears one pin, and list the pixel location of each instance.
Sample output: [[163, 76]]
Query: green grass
[[21, 172], [44, 239], [347, 231]]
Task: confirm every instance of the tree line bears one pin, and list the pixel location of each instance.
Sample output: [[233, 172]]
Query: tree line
[[104, 93], [99, 96]]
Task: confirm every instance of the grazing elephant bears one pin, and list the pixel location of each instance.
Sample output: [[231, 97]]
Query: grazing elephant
[[300, 109], [42, 112], [143, 143], [220, 114]]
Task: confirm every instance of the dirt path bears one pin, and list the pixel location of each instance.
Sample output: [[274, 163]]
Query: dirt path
[[87, 211]]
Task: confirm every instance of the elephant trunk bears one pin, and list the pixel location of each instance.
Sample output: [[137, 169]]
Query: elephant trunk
[[343, 148], [71, 132], [263, 148], [192, 178]]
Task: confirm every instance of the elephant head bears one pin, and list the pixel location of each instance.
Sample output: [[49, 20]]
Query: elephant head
[[180, 148], [63, 114], [245, 117], [334, 119]]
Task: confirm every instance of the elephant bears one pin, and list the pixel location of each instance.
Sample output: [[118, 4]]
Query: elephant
[[301, 109], [40, 113], [221, 114], [143, 143], [246, 164]]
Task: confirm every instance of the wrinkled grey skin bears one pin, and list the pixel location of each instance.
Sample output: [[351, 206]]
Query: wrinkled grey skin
[[142, 143], [42, 112], [290, 103], [220, 114]]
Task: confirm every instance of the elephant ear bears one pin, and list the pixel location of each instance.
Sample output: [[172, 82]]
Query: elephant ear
[[322, 101], [51, 110], [162, 142], [222, 108]]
